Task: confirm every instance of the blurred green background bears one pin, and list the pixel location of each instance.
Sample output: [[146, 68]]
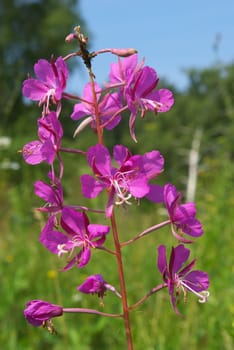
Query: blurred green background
[[28, 271]]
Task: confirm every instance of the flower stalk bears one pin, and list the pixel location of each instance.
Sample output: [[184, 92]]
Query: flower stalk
[[126, 315], [91, 311]]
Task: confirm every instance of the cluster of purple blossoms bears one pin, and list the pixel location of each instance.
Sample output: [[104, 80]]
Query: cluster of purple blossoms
[[124, 176], [136, 92]]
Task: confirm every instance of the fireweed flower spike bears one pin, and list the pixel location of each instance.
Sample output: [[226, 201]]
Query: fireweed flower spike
[[79, 234], [132, 87], [50, 133], [108, 106], [50, 82], [130, 179], [39, 312], [182, 279], [182, 216]]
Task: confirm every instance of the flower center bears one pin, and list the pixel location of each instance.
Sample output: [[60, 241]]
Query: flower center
[[120, 183], [70, 245], [46, 99]]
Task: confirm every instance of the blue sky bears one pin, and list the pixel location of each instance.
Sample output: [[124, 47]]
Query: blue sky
[[171, 35]]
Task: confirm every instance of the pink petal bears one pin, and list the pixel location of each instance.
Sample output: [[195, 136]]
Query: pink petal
[[178, 257], [34, 89], [90, 187], [32, 153], [166, 98]]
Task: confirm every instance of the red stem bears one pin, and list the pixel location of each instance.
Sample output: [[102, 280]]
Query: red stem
[[122, 283], [95, 103], [114, 229]]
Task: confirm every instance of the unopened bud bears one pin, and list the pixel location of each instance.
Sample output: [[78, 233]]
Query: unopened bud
[[70, 37], [123, 52]]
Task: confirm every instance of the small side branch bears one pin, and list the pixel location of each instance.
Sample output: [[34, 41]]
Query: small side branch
[[90, 311], [146, 232], [145, 297]]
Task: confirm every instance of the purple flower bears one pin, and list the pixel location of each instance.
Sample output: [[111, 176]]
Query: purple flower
[[50, 133], [179, 278], [50, 82], [182, 216], [79, 234], [142, 96], [130, 178], [124, 70], [108, 107], [38, 312], [94, 284], [138, 86], [51, 194]]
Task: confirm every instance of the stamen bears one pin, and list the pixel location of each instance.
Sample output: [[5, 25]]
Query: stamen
[[61, 249], [124, 200], [49, 94], [120, 194], [203, 295], [154, 104], [120, 183], [49, 326]]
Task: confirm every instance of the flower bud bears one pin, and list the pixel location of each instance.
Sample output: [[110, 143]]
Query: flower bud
[[93, 284], [70, 37], [37, 312], [123, 52]]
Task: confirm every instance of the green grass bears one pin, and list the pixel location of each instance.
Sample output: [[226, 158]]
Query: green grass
[[28, 271]]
